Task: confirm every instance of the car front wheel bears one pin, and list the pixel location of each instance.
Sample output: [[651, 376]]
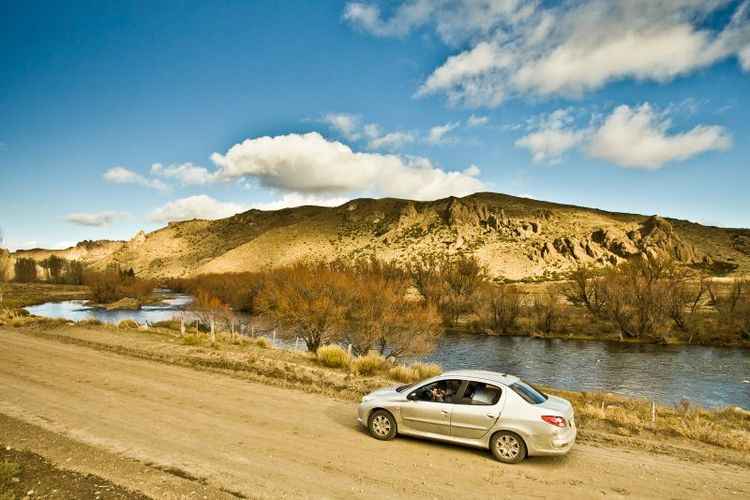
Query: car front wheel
[[508, 447], [382, 425]]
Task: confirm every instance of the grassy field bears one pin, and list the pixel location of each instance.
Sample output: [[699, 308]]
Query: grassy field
[[16, 295]]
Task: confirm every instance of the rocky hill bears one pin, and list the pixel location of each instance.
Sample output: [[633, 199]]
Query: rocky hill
[[516, 238]]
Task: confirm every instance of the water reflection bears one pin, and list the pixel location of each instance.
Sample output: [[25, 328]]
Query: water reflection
[[706, 375], [77, 310]]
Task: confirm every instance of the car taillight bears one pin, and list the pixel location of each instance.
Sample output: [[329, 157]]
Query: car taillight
[[554, 420]]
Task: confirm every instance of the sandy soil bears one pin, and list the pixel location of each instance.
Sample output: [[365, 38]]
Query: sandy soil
[[258, 441]]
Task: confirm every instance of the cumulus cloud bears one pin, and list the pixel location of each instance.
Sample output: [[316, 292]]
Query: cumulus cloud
[[552, 137], [196, 207], [634, 137], [535, 49], [745, 58], [348, 125], [187, 173], [439, 133], [310, 164], [122, 175], [297, 200], [477, 121], [391, 141], [640, 138], [95, 219]]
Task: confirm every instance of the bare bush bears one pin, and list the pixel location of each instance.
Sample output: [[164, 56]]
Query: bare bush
[[500, 308], [546, 310]]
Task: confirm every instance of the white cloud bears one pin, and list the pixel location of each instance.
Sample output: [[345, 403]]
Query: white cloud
[[455, 20], [187, 173], [437, 134], [477, 121], [195, 207], [640, 138], [629, 137], [533, 49], [310, 164], [95, 219], [745, 58], [297, 200], [472, 171], [391, 141], [552, 137], [348, 125], [122, 175]]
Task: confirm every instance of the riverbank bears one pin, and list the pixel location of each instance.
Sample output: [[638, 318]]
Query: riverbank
[[19, 295], [722, 434]]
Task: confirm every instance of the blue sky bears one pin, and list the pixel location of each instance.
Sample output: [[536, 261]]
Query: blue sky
[[121, 116]]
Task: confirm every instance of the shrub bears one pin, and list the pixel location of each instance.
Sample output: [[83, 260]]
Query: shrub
[[8, 470], [427, 370], [368, 365], [403, 374], [263, 342], [90, 322], [128, 324], [192, 339], [169, 324], [333, 356]]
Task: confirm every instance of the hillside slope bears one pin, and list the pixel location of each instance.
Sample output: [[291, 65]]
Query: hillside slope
[[516, 238]]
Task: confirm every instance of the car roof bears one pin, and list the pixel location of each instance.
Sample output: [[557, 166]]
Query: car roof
[[490, 376]]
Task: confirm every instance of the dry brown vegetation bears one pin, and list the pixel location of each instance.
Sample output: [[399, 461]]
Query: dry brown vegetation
[[115, 283], [399, 310]]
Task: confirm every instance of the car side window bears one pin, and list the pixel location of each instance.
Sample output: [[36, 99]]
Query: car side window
[[442, 391], [479, 393]]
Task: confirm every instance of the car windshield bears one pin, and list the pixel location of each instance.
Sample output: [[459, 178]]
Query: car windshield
[[528, 393]]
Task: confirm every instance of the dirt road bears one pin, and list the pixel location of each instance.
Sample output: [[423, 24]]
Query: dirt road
[[267, 442]]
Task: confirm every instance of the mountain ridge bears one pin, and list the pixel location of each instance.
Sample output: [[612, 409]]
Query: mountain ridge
[[515, 238]]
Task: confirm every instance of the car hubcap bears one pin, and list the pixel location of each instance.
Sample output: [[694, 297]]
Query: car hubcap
[[508, 446], [381, 425]]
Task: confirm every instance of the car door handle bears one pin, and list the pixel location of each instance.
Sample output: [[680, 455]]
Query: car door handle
[[490, 415], [444, 412]]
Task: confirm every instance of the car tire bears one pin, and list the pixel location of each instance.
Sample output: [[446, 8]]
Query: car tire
[[382, 425], [508, 447]]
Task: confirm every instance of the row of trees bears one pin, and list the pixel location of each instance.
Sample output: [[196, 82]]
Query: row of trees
[[55, 269], [649, 297], [399, 310]]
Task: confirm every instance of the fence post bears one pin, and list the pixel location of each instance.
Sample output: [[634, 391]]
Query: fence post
[[213, 330], [182, 325], [653, 412], [349, 350], [296, 343], [273, 341]]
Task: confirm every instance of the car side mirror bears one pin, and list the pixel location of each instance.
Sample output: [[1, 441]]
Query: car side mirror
[[412, 396]]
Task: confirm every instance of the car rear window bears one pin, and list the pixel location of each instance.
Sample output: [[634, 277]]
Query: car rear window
[[528, 393]]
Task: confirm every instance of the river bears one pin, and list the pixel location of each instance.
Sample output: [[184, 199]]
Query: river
[[709, 376]]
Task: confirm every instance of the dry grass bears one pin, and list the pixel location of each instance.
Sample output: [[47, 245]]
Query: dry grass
[[369, 365], [262, 342], [333, 356], [128, 324], [725, 427]]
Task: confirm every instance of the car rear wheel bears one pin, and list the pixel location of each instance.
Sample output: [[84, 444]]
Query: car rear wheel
[[508, 447], [382, 425]]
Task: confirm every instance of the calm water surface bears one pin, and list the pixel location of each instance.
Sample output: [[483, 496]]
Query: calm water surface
[[77, 310], [709, 376]]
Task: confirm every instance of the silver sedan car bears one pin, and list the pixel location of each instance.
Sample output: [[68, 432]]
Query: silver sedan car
[[475, 408]]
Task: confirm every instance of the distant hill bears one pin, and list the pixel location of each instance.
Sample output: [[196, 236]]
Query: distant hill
[[516, 238]]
